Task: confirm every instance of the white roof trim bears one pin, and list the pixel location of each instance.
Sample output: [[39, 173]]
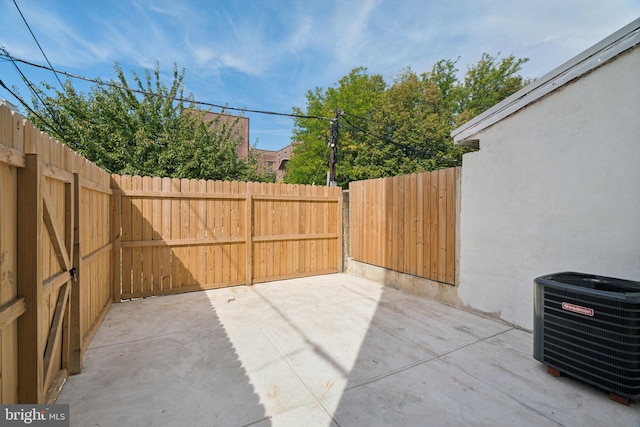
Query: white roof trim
[[8, 105], [597, 55]]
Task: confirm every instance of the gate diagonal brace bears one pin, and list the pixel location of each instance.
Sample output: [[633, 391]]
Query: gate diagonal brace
[[56, 326], [57, 238]]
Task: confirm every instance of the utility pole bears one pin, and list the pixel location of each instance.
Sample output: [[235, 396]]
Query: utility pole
[[333, 141]]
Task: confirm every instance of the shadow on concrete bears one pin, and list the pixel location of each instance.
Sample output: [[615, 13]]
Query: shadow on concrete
[[163, 361]]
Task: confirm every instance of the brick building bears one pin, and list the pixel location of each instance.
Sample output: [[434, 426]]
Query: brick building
[[275, 161], [241, 127]]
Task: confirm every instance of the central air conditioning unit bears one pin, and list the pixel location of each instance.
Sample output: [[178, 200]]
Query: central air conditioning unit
[[588, 327]]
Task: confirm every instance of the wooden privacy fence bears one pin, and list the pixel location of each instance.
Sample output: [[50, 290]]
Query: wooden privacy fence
[[73, 239], [407, 223], [55, 258], [180, 235]]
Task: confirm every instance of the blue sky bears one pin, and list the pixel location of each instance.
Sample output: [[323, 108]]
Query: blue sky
[[266, 55]]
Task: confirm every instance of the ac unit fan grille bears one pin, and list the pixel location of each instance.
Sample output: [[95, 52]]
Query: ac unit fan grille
[[603, 349]]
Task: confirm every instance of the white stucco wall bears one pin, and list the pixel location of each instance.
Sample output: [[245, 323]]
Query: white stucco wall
[[554, 187]]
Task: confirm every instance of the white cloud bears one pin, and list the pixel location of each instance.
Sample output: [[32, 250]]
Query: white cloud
[[60, 38], [271, 53]]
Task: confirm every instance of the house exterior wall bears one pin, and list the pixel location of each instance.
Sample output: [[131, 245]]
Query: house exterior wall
[[554, 187]]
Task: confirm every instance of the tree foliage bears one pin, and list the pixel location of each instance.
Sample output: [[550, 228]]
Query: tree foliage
[[490, 81], [144, 133], [400, 128], [360, 92]]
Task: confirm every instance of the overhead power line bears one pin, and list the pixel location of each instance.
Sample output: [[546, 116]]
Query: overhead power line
[[16, 96], [31, 88], [38, 43], [142, 92], [383, 138]]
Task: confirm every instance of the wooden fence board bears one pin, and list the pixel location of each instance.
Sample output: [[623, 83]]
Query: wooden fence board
[[303, 225], [156, 235], [185, 253], [193, 233], [165, 234], [260, 217], [127, 230], [413, 226], [426, 261], [176, 230], [6, 128], [239, 233], [136, 234], [450, 245], [147, 234], [201, 218], [243, 229], [218, 232], [393, 262], [8, 280], [442, 224], [227, 265], [328, 217], [249, 234], [209, 221], [433, 214], [419, 225]]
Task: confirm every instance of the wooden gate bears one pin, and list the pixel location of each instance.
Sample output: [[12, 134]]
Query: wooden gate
[[55, 259], [46, 226], [179, 235]]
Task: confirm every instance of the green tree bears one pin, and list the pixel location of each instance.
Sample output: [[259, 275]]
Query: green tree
[[402, 128], [408, 130], [144, 132], [358, 93], [488, 82]]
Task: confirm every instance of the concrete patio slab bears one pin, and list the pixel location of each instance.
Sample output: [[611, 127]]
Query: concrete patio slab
[[334, 350]]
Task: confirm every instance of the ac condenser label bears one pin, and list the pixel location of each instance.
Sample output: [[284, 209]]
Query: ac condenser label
[[578, 309]]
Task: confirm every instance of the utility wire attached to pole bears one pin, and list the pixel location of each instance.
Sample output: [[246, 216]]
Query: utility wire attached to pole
[[38, 43], [333, 142], [4, 54]]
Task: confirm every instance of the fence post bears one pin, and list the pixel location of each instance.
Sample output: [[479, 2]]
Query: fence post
[[70, 218], [75, 338], [116, 238], [249, 235], [346, 237], [458, 192], [30, 214]]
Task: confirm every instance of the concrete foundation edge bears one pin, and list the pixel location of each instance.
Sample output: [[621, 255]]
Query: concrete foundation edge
[[406, 282]]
